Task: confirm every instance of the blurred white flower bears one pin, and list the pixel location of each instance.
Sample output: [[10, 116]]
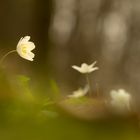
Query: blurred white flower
[[80, 92], [120, 99], [86, 68], [24, 48]]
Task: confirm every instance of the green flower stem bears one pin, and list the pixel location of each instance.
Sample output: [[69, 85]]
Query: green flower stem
[[88, 82], [2, 59]]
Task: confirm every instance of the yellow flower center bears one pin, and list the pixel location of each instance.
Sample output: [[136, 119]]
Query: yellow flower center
[[24, 49]]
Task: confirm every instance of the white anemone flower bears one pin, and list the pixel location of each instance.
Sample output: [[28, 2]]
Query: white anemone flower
[[80, 92], [85, 68], [120, 99], [24, 48]]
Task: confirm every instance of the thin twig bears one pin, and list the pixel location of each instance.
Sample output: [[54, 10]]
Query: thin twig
[[2, 59]]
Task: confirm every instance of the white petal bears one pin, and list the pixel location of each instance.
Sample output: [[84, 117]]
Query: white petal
[[32, 55], [80, 92], [93, 64], [77, 94], [93, 69], [76, 68], [85, 68], [28, 57], [18, 45], [31, 46], [20, 41], [19, 50], [25, 39], [84, 65]]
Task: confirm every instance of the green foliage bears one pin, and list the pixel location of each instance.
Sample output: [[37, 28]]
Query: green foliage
[[23, 86], [54, 89], [28, 116]]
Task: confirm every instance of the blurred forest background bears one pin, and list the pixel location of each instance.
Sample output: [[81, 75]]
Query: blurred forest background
[[68, 32]]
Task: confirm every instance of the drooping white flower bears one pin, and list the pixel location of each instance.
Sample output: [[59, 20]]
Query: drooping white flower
[[85, 68], [80, 92], [24, 48], [120, 99]]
